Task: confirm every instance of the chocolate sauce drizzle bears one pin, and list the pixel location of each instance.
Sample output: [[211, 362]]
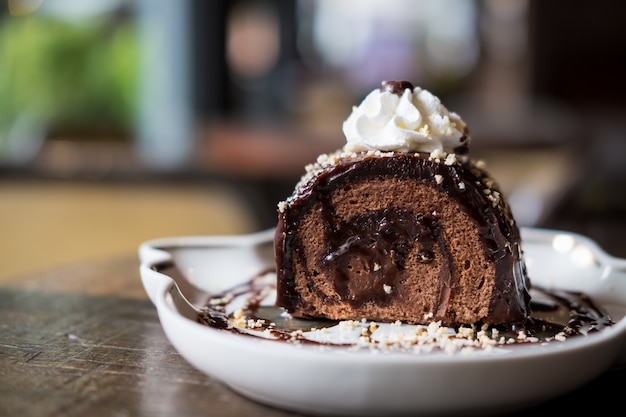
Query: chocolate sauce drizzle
[[555, 315]]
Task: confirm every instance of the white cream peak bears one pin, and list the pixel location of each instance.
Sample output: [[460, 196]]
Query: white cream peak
[[414, 121]]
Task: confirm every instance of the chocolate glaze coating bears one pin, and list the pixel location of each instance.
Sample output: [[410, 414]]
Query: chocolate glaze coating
[[384, 237]]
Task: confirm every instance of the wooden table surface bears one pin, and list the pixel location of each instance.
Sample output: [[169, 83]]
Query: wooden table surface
[[85, 341]]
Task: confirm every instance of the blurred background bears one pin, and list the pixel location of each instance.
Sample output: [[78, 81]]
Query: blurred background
[[127, 120]]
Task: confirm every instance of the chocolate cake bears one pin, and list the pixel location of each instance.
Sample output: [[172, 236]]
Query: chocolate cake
[[400, 228]]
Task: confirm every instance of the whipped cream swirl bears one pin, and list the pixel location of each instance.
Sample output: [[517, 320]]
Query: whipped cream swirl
[[402, 118]]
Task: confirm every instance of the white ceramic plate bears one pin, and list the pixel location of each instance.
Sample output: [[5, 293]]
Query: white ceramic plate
[[317, 379]]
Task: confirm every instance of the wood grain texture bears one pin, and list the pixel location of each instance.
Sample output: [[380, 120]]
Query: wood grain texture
[[85, 355], [84, 340]]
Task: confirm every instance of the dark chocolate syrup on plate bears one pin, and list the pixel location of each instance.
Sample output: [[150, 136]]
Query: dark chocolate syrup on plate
[[555, 315]]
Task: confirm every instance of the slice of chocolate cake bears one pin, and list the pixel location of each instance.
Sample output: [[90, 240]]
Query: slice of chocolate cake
[[399, 226]]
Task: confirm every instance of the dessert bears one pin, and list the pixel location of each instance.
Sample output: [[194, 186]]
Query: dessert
[[400, 224]]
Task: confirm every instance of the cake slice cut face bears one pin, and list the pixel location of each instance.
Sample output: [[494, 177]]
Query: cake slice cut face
[[400, 237]]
